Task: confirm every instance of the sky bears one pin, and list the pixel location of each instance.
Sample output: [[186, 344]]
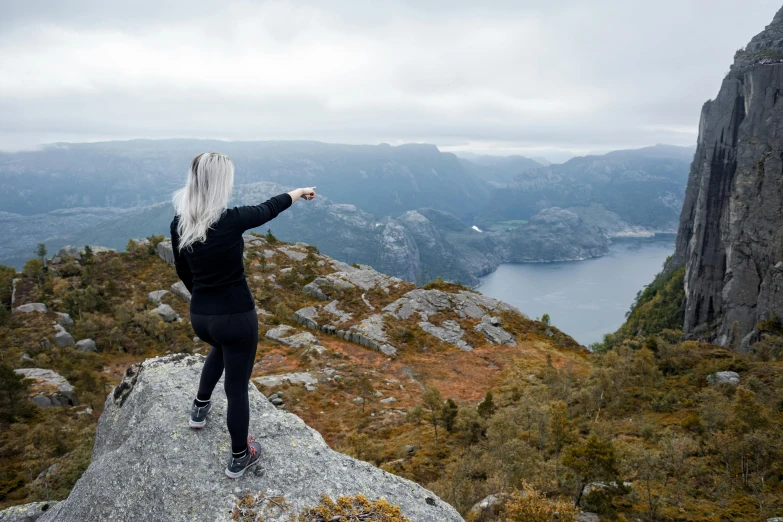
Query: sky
[[536, 77]]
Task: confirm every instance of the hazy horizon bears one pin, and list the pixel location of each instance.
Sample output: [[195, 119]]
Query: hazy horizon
[[552, 156], [501, 78]]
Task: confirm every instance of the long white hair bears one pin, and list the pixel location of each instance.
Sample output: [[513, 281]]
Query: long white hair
[[202, 201]]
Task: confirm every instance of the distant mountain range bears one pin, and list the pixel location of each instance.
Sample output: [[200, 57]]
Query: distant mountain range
[[623, 192], [411, 210]]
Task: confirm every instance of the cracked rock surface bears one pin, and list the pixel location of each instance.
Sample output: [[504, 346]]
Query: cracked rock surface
[[148, 465]]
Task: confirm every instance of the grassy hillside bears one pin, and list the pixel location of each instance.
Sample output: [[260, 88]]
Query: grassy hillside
[[633, 433]]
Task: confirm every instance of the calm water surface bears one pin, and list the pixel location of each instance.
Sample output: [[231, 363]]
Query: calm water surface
[[585, 299]]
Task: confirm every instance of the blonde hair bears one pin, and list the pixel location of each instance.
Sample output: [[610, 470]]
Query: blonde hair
[[203, 200]]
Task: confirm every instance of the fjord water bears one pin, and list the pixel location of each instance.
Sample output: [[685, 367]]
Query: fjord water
[[585, 299]]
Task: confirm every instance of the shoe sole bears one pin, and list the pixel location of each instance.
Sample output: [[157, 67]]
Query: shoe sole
[[197, 425], [234, 476]]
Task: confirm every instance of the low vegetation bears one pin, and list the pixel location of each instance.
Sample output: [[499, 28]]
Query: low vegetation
[[633, 431]]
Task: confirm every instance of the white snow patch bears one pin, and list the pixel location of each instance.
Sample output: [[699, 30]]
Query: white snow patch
[[477, 229]]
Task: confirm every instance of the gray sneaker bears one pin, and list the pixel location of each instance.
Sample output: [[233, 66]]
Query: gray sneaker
[[198, 415], [236, 467]]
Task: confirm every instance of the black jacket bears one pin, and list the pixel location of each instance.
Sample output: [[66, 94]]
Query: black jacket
[[213, 270]]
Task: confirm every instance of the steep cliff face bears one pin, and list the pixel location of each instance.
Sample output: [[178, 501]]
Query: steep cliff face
[[730, 236]]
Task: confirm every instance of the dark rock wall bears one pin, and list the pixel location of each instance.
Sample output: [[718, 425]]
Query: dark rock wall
[[730, 236]]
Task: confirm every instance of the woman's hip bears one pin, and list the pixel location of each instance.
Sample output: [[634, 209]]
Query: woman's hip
[[226, 329]]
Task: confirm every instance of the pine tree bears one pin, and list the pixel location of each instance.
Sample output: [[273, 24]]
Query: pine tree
[[449, 414], [487, 407]]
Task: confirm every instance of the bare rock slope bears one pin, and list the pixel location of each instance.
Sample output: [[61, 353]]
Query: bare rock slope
[[148, 465], [730, 236]]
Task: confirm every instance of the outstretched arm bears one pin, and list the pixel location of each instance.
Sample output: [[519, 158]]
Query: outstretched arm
[[307, 193], [253, 216]]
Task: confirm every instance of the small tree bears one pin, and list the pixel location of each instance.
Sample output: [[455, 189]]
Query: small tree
[[154, 241], [449, 414], [270, 237], [433, 402], [469, 425], [487, 407], [13, 387], [591, 460], [560, 428], [545, 319], [41, 253], [32, 268], [365, 389], [748, 414], [88, 256], [645, 369]]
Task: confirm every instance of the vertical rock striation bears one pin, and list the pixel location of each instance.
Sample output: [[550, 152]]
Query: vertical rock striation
[[730, 237]]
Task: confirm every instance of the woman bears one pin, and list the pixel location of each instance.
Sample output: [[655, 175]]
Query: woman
[[206, 237]]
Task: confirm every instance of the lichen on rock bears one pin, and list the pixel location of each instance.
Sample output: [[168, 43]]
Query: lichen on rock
[[148, 465]]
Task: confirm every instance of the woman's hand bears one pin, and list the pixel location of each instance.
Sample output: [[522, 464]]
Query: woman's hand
[[307, 193]]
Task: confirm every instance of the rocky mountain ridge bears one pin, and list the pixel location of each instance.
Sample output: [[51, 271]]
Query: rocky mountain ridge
[[730, 236], [417, 246]]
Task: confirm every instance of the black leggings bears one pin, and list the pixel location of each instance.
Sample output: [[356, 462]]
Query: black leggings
[[233, 338]]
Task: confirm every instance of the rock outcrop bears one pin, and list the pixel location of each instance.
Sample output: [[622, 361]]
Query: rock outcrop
[[730, 237], [180, 290], [78, 252], [86, 345], [31, 307], [61, 337], [148, 465], [26, 512], [48, 388], [731, 378]]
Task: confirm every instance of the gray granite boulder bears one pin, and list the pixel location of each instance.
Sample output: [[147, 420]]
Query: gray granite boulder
[[731, 378], [31, 307], [292, 378], [48, 388], [307, 317], [428, 302], [333, 309], [26, 512], [165, 251], [64, 320], [144, 467], [180, 290], [166, 313], [62, 338], [156, 296], [449, 332], [296, 255], [490, 327], [369, 333], [86, 345], [486, 507], [292, 337]]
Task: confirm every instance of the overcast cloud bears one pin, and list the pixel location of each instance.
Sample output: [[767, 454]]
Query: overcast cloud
[[497, 76]]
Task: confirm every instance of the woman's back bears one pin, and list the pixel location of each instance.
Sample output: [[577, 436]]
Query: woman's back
[[213, 270]]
